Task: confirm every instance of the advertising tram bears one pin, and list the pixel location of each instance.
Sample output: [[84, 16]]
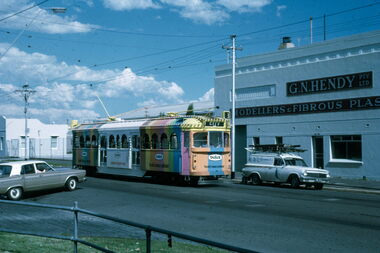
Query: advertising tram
[[178, 148]]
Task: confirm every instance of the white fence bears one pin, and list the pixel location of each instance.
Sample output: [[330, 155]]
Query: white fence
[[41, 148]]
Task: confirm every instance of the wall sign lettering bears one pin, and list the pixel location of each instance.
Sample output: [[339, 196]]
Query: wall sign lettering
[[352, 104], [330, 84]]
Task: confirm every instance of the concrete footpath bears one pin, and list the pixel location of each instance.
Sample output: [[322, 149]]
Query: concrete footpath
[[341, 184]]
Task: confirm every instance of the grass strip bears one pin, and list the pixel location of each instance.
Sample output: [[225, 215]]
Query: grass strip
[[15, 243]]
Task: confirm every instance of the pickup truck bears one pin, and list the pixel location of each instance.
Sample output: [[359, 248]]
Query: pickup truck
[[282, 168], [25, 176]]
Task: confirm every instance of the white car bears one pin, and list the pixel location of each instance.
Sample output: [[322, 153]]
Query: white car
[[282, 168], [24, 176]]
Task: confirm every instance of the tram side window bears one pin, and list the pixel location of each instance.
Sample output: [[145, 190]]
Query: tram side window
[[93, 142], [135, 141], [200, 140], [76, 141], [88, 142], [124, 141], [81, 142], [145, 142], [112, 141], [154, 141], [186, 141], [103, 142], [164, 141], [226, 140], [173, 141], [117, 141]]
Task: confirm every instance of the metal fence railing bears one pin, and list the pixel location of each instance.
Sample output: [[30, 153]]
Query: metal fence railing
[[75, 211]]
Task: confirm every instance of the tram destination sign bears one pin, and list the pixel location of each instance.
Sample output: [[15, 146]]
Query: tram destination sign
[[352, 104], [330, 84]]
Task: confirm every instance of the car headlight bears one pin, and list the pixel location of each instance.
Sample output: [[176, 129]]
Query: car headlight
[[305, 173]]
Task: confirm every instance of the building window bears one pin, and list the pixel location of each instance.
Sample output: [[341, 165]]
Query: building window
[[252, 93], [23, 142], [256, 140], [1, 143], [54, 141], [279, 140], [346, 147]]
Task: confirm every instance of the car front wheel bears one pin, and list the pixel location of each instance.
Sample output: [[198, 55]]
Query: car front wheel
[[294, 181], [15, 193], [71, 184]]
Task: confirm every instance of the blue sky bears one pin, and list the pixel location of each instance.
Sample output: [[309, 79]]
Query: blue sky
[[136, 53]]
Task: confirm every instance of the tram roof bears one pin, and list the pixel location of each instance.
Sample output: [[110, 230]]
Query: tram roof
[[130, 124], [165, 122]]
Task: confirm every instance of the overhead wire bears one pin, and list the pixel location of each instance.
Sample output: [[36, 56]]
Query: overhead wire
[[19, 12]]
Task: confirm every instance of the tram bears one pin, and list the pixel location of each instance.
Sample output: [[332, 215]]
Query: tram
[[178, 148]]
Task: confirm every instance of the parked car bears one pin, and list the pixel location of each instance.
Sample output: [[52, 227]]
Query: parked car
[[279, 167], [25, 176]]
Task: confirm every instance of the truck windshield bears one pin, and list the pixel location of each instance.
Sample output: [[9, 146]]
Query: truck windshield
[[5, 170], [295, 162]]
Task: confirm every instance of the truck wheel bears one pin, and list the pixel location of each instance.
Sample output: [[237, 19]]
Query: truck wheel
[[294, 182], [255, 179], [318, 186], [15, 193], [71, 184]]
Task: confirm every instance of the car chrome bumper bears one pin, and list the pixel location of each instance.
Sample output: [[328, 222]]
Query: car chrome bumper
[[314, 180]]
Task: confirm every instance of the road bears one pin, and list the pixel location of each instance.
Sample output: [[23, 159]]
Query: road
[[262, 218]]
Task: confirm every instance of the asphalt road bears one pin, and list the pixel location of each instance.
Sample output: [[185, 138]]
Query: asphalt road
[[261, 218]]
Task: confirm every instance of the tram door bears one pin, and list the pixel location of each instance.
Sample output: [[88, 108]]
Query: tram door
[[103, 152]]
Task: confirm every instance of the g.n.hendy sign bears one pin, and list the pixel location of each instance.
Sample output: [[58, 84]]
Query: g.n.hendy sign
[[352, 104], [330, 84]]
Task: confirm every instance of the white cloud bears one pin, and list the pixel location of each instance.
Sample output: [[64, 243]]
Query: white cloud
[[198, 10], [120, 5], [142, 86], [63, 89], [208, 96], [280, 8], [244, 5], [38, 19]]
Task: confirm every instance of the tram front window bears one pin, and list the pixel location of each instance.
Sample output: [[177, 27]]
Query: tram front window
[[216, 139], [200, 140]]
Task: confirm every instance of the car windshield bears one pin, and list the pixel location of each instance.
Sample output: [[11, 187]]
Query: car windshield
[[295, 162], [5, 170]]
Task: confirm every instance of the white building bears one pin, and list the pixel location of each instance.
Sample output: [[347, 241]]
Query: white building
[[45, 140], [324, 97]]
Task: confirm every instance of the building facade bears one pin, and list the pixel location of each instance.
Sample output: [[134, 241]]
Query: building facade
[[324, 97], [45, 140]]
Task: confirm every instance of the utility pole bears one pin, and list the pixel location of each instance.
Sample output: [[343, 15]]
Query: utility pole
[[233, 48], [26, 92]]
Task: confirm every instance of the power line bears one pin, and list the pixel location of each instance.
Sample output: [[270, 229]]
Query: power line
[[307, 20], [15, 14]]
